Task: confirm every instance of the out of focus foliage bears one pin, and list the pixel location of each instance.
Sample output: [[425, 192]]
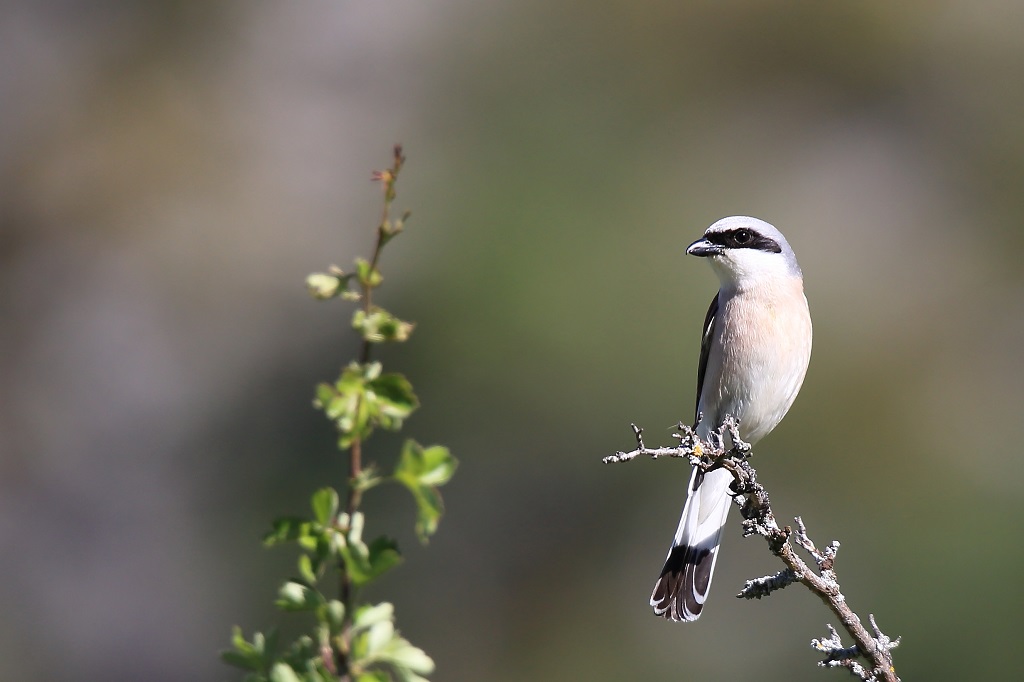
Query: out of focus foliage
[[349, 640]]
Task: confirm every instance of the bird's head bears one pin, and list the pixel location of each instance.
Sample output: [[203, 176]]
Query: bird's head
[[744, 250]]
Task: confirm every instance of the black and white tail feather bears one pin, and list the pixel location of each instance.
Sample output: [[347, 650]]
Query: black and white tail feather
[[685, 580]]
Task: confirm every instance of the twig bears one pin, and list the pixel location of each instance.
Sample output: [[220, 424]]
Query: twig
[[762, 587], [346, 587], [682, 450], [758, 519]]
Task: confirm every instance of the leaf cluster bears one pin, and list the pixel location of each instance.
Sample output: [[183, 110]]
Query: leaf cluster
[[364, 398]]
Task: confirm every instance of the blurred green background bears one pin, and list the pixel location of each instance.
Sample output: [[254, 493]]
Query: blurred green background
[[171, 171]]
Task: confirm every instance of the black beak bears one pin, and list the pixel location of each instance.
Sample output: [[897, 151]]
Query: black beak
[[703, 248]]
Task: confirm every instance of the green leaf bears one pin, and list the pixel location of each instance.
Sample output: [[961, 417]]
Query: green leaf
[[353, 527], [367, 478], [324, 399], [304, 658], [364, 398], [323, 285], [405, 655], [282, 672], [368, 276], [288, 529], [431, 466], [378, 636], [430, 508], [365, 616], [382, 645], [365, 563], [249, 655], [422, 470], [326, 547], [393, 399], [374, 676], [325, 504], [390, 229], [239, 660], [379, 325], [384, 555], [294, 596], [306, 569], [240, 643], [334, 615]]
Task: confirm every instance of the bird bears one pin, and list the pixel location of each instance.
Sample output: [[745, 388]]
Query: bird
[[754, 353]]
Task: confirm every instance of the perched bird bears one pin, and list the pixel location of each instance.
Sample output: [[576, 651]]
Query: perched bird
[[753, 356]]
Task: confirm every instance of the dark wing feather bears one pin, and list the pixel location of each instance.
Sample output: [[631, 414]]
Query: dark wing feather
[[705, 349]]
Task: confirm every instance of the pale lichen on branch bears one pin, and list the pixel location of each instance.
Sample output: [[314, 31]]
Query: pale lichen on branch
[[870, 658]]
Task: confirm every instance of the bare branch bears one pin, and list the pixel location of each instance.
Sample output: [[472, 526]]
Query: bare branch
[[758, 519], [682, 450], [762, 587]]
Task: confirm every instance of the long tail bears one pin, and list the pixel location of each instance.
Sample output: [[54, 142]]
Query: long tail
[[685, 580]]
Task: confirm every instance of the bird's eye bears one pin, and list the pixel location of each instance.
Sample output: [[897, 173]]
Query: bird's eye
[[742, 237]]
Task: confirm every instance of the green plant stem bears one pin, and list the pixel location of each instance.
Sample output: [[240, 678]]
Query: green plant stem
[[388, 177], [355, 494]]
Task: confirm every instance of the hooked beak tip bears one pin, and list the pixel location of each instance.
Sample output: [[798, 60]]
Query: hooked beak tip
[[703, 248]]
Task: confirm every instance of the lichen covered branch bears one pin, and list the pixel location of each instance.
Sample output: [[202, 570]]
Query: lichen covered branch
[[870, 658]]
